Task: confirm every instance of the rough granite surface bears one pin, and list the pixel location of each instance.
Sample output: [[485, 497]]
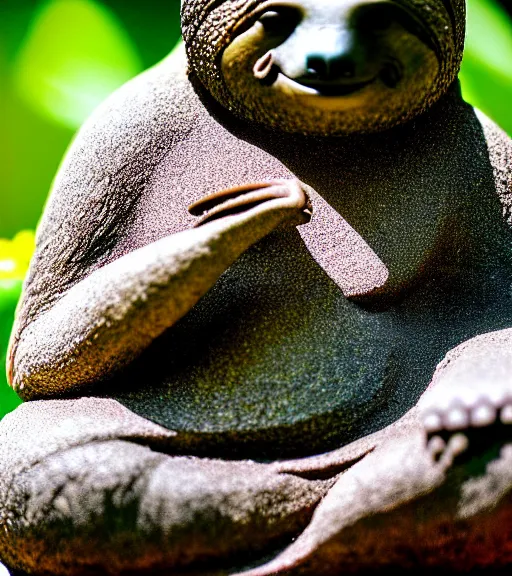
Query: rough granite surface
[[298, 415]]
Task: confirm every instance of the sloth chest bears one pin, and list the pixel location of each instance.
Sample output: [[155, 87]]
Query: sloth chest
[[275, 352]]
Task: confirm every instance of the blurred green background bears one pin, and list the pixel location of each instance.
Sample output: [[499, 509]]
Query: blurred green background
[[60, 58]]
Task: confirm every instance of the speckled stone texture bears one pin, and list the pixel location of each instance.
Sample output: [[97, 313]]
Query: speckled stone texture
[[252, 397], [98, 478]]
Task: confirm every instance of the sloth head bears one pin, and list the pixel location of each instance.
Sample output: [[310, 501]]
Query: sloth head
[[326, 67]]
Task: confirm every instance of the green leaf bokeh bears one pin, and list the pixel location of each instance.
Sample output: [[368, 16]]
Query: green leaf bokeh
[[60, 73], [486, 73], [60, 58]]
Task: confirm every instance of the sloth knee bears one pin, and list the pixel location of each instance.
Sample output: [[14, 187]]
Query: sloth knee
[[118, 505], [77, 508], [87, 482]]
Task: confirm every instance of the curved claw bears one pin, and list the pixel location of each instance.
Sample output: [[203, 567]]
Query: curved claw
[[240, 204], [461, 418], [243, 198], [208, 202]]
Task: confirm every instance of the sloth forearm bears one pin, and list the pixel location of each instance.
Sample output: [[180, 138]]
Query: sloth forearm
[[109, 318]]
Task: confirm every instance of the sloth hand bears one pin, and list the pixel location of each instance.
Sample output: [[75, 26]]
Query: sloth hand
[[286, 196]]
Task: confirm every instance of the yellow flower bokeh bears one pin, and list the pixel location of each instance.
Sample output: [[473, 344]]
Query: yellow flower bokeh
[[15, 255]]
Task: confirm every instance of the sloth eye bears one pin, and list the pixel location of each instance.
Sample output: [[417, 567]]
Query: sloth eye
[[374, 18], [380, 17], [281, 21]]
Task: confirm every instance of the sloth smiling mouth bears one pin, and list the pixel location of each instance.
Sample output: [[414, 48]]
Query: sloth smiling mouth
[[268, 73], [332, 89], [320, 88]]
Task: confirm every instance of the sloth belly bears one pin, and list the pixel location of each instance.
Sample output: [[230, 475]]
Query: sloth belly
[[274, 361]]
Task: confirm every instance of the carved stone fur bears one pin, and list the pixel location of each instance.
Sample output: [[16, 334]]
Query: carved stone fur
[[312, 378]]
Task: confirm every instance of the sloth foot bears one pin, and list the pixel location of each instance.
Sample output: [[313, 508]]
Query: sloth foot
[[466, 421], [436, 497]]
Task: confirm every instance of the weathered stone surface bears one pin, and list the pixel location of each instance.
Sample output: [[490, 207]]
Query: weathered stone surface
[[89, 488], [361, 359], [400, 509]]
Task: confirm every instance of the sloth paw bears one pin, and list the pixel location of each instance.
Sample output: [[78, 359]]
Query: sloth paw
[[463, 422], [285, 194]]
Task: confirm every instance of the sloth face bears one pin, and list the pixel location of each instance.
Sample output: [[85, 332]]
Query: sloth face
[[332, 67]]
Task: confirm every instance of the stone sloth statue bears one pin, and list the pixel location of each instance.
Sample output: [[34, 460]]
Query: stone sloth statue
[[267, 328]]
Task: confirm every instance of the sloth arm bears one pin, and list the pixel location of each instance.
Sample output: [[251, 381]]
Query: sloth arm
[[106, 320], [83, 316]]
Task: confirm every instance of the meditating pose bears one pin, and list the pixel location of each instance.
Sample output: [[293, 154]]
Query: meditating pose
[[268, 325]]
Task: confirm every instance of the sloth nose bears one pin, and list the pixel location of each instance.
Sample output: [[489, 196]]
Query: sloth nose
[[343, 46], [329, 68], [331, 65], [352, 45], [338, 56]]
